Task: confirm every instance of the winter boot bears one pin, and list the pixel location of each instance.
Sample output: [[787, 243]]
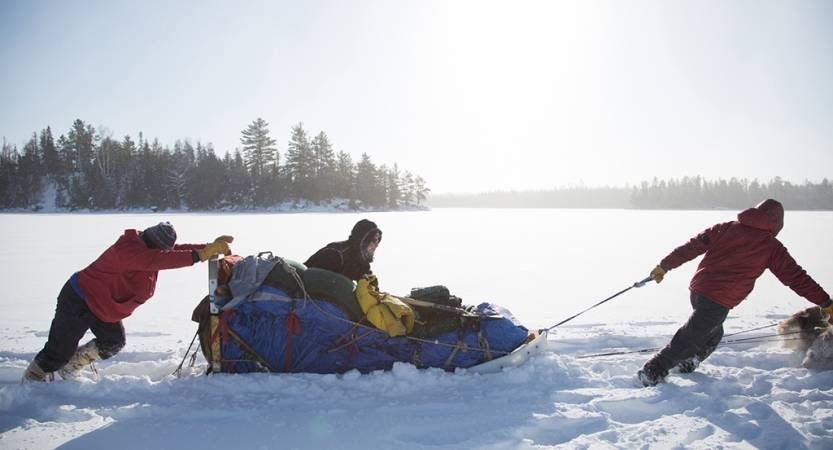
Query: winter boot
[[85, 355], [650, 374], [33, 373], [688, 365]]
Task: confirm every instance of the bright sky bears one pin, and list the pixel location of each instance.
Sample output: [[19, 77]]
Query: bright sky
[[471, 95]]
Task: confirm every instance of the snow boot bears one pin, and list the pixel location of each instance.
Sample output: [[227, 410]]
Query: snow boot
[[650, 374], [688, 365], [33, 373], [85, 355]]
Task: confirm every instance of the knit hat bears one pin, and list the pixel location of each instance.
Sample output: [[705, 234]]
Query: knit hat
[[162, 235]]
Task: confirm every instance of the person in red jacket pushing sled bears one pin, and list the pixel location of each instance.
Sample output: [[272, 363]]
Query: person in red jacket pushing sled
[[736, 254], [109, 290]]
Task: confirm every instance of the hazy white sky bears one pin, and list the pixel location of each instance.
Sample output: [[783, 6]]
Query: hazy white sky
[[472, 96]]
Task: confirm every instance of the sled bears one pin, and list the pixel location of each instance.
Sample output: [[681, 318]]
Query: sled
[[270, 314], [517, 358]]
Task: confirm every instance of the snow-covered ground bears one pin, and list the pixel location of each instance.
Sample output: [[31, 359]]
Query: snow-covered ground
[[543, 265]]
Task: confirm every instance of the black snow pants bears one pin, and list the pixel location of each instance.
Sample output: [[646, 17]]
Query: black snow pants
[[72, 320], [699, 336]]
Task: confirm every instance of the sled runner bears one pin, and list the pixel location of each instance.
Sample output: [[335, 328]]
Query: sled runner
[[269, 314]]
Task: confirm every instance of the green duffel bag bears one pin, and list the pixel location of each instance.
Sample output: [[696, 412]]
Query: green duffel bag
[[436, 294]]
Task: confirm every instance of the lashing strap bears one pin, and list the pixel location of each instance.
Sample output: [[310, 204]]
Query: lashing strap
[[482, 342], [223, 326], [352, 331], [293, 326], [353, 341], [249, 352], [460, 346], [352, 350]]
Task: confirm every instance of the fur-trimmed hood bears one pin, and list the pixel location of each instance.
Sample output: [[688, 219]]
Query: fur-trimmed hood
[[363, 233]]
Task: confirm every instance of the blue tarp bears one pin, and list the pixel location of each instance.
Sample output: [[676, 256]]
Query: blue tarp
[[330, 343]]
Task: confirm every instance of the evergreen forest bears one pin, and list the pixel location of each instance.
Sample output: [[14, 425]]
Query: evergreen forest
[[87, 169], [687, 193]]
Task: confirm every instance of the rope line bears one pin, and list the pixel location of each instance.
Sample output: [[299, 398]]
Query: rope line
[[638, 284], [753, 329], [750, 340]]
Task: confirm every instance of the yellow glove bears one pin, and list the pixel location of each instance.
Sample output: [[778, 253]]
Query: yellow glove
[[827, 312], [218, 246], [658, 273], [226, 238]]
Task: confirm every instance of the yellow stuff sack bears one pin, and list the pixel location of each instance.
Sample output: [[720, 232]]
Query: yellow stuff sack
[[385, 312]]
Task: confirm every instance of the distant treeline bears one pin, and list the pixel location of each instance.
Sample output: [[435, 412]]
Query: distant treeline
[[88, 169], [565, 197], [688, 193], [697, 193]]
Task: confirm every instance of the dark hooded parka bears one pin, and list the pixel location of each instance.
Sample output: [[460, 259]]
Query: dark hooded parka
[[350, 258]]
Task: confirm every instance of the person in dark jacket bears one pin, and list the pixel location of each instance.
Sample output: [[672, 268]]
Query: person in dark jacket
[[736, 254], [109, 290], [352, 257]]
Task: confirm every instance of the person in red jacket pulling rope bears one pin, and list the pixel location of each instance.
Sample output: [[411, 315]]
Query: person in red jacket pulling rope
[[108, 290], [736, 254]]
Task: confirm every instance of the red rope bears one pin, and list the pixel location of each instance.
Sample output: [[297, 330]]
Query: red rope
[[293, 326]]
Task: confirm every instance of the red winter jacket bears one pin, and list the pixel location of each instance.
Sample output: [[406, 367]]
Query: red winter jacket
[[737, 253], [124, 276]]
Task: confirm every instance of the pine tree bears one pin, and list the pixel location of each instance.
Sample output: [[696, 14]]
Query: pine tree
[[51, 159], [394, 190], [258, 148], [237, 193], [81, 139], [369, 186], [179, 166], [324, 167], [300, 164], [157, 177], [77, 149], [408, 189], [105, 177], [207, 180], [421, 190], [135, 185], [8, 175], [30, 174], [345, 176]]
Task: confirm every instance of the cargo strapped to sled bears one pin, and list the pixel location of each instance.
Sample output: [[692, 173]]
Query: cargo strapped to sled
[[262, 332]]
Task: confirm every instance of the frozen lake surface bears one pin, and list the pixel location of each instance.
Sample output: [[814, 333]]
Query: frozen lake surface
[[542, 265]]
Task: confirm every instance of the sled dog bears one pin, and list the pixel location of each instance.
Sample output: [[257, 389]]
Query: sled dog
[[808, 332]]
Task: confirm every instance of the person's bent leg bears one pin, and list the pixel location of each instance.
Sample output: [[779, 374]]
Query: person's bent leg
[[702, 327], [714, 339], [109, 340], [712, 336], [71, 322]]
